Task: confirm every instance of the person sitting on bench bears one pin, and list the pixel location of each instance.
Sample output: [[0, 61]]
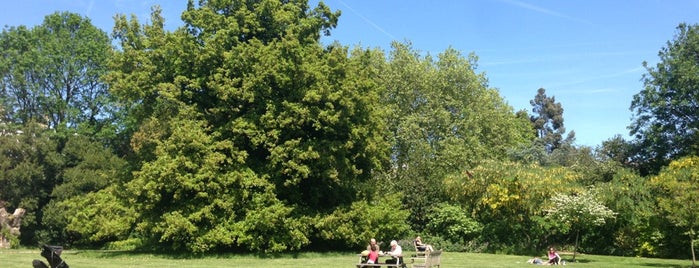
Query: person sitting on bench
[[419, 246], [396, 253]]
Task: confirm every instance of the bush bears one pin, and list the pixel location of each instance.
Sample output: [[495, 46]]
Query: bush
[[453, 223]]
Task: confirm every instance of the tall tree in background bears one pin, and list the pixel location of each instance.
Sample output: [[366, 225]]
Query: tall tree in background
[[444, 119], [548, 121], [666, 121], [50, 74]]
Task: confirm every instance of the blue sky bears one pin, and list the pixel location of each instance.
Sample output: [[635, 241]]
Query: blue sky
[[588, 54]]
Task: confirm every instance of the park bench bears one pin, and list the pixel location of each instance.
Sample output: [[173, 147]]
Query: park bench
[[429, 259]]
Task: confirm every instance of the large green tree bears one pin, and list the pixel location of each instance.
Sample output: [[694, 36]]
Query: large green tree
[[51, 73], [245, 128], [666, 121], [443, 118]]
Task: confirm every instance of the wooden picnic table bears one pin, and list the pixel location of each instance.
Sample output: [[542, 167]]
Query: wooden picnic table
[[362, 262]]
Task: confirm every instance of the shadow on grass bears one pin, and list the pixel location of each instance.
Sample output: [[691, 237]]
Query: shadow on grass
[[647, 264], [222, 255], [663, 265], [578, 261]]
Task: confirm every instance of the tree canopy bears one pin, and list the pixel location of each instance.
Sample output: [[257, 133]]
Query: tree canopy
[[548, 120], [666, 122], [249, 127], [51, 73]]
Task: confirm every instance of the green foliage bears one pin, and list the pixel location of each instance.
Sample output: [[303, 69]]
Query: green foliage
[[243, 133], [632, 232], [616, 149], [666, 121], [453, 223], [383, 219], [578, 211], [36, 172], [29, 164], [442, 118], [11, 238], [677, 194], [548, 121], [88, 167], [508, 199], [193, 197], [52, 90], [244, 127], [51, 73], [678, 191], [84, 221]]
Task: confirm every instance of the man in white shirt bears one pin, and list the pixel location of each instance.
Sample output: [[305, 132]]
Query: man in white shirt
[[396, 252]]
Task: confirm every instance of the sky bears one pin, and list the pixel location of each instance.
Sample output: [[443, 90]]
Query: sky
[[587, 54]]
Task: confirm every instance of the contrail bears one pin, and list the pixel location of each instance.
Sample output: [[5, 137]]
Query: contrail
[[377, 27], [545, 11]]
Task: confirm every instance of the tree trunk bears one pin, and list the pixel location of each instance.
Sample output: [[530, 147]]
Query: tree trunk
[[575, 250], [691, 245]]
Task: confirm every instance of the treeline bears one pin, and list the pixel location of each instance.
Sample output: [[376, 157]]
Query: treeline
[[240, 131]]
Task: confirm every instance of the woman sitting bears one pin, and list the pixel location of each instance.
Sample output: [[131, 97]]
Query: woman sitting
[[554, 258], [419, 246]]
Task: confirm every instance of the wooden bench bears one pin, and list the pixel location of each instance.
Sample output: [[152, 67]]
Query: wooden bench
[[362, 263], [430, 259], [418, 253]]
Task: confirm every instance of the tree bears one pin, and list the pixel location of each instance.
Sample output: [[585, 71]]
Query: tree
[[666, 121], [443, 118], [678, 191], [616, 149], [51, 93], [51, 73], [548, 121], [579, 211], [245, 128]]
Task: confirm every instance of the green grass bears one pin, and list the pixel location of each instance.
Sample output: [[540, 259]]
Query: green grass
[[22, 258]]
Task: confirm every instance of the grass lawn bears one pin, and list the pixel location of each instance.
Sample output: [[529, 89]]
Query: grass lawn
[[22, 258]]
